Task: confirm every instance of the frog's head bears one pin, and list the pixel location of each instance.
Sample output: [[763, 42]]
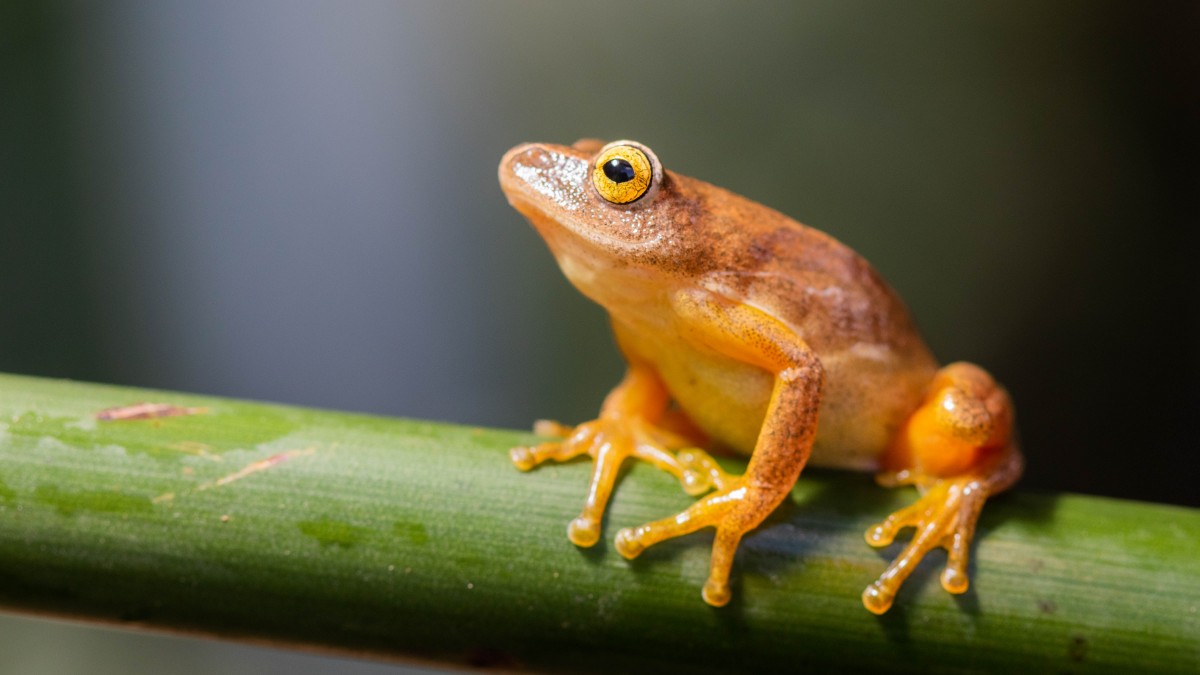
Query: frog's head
[[603, 206]]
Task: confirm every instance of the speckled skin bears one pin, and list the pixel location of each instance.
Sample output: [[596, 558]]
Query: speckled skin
[[693, 235], [772, 339]]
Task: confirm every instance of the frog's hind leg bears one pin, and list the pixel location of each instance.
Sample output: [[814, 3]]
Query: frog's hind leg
[[958, 448], [628, 426]]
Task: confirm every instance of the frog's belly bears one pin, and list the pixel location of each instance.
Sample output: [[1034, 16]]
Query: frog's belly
[[867, 395]]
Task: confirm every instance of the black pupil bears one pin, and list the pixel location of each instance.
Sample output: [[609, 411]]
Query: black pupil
[[618, 170]]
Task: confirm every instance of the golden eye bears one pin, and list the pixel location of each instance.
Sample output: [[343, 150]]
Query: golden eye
[[623, 173]]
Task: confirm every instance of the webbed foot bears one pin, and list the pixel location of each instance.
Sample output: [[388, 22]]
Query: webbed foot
[[943, 517], [733, 510], [958, 449], [609, 441]]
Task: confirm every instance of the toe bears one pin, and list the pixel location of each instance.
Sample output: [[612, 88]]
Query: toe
[[695, 483], [877, 598], [627, 543], [523, 458], [955, 580], [716, 593], [583, 532], [880, 535]]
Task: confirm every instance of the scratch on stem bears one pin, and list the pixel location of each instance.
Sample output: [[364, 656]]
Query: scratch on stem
[[255, 467], [252, 468]]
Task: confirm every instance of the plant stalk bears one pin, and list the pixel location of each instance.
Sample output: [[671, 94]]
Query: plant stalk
[[392, 538]]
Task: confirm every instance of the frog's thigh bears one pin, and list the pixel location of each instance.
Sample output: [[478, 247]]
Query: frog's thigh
[[964, 421]]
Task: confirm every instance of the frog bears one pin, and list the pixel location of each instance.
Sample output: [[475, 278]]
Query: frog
[[744, 330]]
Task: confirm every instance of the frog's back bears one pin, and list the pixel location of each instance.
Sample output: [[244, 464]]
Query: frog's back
[[876, 364]]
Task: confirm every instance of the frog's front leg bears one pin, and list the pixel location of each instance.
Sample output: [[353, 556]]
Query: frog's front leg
[[958, 448], [627, 427], [751, 336]]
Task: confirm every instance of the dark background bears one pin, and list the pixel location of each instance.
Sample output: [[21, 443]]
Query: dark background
[[296, 202]]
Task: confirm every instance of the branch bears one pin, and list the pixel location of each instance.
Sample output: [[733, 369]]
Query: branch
[[403, 539]]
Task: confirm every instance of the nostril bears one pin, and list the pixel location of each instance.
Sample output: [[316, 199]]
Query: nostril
[[526, 156], [535, 156]]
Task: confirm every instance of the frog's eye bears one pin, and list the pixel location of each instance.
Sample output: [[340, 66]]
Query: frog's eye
[[625, 172]]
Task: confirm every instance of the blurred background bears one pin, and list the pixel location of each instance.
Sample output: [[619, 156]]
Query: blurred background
[[296, 201]]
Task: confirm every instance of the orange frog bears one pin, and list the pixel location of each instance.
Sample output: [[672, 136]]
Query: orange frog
[[746, 328]]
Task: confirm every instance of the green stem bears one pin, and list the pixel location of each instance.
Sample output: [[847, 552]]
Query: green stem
[[398, 538]]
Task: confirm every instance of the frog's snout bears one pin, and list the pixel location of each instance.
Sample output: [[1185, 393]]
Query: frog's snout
[[541, 172], [521, 161]]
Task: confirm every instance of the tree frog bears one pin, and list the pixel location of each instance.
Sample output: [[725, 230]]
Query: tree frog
[[746, 330]]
